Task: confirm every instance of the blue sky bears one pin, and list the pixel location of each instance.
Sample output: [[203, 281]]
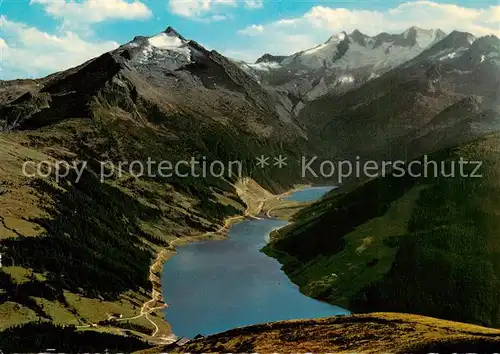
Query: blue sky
[[38, 37]]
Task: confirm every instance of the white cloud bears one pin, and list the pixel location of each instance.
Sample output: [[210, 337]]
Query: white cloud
[[204, 9], [287, 22], [254, 4], [94, 11], [425, 14], [252, 30], [218, 17], [197, 8], [27, 51], [285, 36]]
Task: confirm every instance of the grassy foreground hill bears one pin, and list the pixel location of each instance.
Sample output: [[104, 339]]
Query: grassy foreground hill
[[371, 333], [427, 246]]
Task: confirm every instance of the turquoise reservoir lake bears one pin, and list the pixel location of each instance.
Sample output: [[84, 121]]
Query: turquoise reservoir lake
[[214, 286], [309, 194]]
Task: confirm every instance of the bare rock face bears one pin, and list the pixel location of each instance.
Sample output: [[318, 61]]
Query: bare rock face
[[269, 58], [385, 114], [60, 96]]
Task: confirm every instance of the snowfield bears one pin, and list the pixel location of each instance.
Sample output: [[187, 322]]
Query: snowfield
[[164, 41]]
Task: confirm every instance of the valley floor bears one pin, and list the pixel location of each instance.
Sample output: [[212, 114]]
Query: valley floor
[[259, 202]]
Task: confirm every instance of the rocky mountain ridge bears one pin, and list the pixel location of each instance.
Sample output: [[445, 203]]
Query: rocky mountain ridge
[[345, 61]]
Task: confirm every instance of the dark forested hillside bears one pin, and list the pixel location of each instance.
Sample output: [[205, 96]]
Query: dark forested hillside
[[416, 245]]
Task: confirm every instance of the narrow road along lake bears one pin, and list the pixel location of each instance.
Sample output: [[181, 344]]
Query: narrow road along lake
[[214, 286]]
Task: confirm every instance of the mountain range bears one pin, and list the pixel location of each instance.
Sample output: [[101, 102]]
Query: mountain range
[[343, 62]]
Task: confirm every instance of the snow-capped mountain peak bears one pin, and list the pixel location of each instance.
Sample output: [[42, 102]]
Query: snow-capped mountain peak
[[360, 38], [337, 38], [168, 49], [342, 62], [172, 32], [166, 41], [354, 50], [422, 37]]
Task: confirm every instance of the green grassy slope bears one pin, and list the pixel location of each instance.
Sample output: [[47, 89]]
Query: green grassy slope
[[366, 333], [420, 245], [81, 253], [85, 247]]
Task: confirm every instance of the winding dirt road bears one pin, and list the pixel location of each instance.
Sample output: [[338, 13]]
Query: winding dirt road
[[156, 297]]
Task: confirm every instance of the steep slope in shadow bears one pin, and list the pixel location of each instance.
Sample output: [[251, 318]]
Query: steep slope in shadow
[[426, 244]]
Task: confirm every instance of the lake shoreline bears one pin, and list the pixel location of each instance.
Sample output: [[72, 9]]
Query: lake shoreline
[[217, 235], [222, 234]]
